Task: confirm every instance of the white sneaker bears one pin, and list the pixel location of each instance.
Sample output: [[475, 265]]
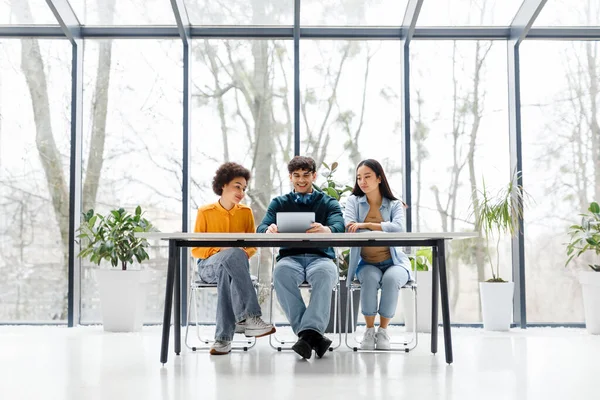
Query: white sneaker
[[382, 339], [368, 340], [240, 327], [220, 347], [256, 327]]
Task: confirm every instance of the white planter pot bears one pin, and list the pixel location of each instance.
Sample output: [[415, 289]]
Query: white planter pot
[[424, 285], [496, 305], [590, 288], [122, 298]]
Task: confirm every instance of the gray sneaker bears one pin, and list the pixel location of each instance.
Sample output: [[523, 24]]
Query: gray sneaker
[[256, 327], [368, 341], [240, 327], [220, 347], [383, 339]]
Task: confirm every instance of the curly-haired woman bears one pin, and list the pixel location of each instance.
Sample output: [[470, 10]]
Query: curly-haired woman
[[237, 305]]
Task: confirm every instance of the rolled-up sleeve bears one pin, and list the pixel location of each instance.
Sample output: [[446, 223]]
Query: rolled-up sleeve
[[396, 223]]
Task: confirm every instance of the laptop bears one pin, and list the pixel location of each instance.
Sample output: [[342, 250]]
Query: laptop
[[294, 222]]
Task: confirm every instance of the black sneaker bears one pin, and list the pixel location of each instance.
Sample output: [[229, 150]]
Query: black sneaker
[[303, 348], [321, 346]]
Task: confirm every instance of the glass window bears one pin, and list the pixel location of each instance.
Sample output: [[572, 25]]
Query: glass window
[[353, 12], [350, 106], [468, 12], [242, 112], [124, 12], [240, 12], [459, 138], [560, 144], [350, 109], [35, 100], [133, 146], [569, 13], [26, 12]]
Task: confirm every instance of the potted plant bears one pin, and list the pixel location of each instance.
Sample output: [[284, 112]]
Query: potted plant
[[421, 263], [112, 238], [496, 215], [586, 238], [338, 192]]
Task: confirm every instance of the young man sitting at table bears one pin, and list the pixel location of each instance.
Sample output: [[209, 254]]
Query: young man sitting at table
[[313, 265], [237, 305]]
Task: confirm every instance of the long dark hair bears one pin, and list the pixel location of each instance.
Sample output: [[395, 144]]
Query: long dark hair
[[384, 186]]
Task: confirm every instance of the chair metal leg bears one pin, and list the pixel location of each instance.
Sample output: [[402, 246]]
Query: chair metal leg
[[279, 344], [205, 343], [187, 328], [404, 346]]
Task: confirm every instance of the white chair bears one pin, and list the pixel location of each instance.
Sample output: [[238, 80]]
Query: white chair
[[196, 286], [280, 344], [406, 344]]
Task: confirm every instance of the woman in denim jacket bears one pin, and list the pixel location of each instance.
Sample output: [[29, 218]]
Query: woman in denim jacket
[[373, 207]]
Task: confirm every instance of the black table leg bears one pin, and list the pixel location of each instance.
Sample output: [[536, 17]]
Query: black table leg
[[177, 300], [164, 347], [434, 299], [445, 301]]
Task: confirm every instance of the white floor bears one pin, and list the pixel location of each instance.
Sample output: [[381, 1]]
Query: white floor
[[86, 363]]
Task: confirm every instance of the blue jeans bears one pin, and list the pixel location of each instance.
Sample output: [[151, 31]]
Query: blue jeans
[[236, 298], [322, 274], [385, 276]]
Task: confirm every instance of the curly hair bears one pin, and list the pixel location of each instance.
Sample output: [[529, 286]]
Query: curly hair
[[302, 163], [226, 173]]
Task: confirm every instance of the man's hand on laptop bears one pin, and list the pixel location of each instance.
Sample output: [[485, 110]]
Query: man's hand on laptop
[[272, 229], [316, 227]]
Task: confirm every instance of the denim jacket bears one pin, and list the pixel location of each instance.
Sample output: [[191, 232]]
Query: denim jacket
[[392, 212]]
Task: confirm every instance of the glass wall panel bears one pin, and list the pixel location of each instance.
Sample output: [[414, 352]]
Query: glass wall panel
[[569, 13], [35, 118], [133, 146], [26, 12], [459, 139], [468, 12], [240, 12], [124, 12], [559, 100], [350, 106], [353, 12], [350, 109], [242, 112]]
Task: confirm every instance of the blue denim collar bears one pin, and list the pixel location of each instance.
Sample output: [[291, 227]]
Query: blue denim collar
[[385, 202]]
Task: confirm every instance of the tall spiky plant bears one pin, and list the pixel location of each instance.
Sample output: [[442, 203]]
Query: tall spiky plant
[[499, 213]]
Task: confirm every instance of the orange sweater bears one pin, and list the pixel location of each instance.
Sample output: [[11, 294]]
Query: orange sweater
[[214, 218]]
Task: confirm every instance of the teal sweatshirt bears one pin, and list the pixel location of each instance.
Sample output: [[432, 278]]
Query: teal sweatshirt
[[327, 212]]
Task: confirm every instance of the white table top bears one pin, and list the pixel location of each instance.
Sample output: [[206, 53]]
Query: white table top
[[366, 236]]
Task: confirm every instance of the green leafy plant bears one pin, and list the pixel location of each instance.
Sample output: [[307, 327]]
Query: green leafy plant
[[499, 213], [112, 237], [422, 260], [343, 259], [337, 191], [585, 237], [330, 186]]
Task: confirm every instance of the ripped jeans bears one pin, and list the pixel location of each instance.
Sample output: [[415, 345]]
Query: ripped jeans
[[385, 276]]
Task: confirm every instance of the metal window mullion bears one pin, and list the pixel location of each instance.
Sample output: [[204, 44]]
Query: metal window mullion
[[185, 216], [516, 165], [296, 77], [75, 189], [406, 142]]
